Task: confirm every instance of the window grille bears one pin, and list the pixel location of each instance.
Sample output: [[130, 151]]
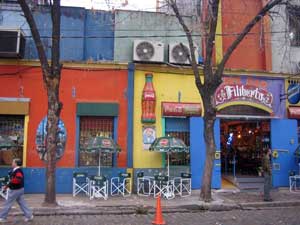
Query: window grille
[[93, 126], [180, 158], [11, 138]]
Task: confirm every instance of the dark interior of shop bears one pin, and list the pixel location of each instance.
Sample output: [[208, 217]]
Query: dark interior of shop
[[242, 144]]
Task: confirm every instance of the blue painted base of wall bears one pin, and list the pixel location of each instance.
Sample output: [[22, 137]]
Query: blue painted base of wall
[[35, 178]]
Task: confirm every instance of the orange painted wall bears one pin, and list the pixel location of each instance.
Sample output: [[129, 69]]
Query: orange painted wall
[[92, 85], [250, 54]]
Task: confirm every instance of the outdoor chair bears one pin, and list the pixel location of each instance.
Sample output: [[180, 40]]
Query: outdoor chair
[[98, 187], [144, 184], [293, 181], [182, 185], [80, 184], [121, 185], [3, 182], [163, 186]]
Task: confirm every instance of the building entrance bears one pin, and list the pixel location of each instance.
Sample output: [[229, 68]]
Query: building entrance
[[242, 146]]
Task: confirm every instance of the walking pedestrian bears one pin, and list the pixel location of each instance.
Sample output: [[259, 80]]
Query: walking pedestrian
[[267, 169], [15, 189]]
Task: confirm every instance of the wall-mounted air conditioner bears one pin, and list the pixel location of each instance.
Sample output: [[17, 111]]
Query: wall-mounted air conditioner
[[148, 51], [179, 53], [297, 66], [12, 43]]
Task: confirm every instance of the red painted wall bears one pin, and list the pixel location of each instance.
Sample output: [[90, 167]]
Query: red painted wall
[[251, 53], [92, 85]]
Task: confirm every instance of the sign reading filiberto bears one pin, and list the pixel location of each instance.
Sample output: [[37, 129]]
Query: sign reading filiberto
[[229, 93]]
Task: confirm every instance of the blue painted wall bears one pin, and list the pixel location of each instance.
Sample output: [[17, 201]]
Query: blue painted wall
[[283, 139], [35, 177], [99, 32], [198, 154], [86, 35]]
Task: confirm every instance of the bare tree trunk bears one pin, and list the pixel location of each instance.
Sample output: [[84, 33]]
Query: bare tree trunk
[[51, 77], [209, 138], [54, 108]]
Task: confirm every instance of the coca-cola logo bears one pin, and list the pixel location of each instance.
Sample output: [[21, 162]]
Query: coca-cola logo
[[164, 142], [106, 143], [240, 92]]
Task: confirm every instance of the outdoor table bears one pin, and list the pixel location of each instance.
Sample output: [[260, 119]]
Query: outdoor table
[[293, 182]]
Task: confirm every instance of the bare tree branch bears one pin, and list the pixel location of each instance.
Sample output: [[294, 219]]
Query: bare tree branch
[[242, 35], [36, 37], [192, 57], [210, 40], [55, 54]]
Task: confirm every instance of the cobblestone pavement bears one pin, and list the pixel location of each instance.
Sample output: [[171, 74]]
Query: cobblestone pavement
[[270, 216]]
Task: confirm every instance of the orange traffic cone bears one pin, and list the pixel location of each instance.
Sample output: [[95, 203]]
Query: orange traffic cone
[[159, 220]]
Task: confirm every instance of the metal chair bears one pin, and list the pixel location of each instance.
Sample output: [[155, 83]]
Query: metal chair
[[144, 184], [3, 182], [98, 187], [121, 185], [163, 186], [80, 183], [182, 185]]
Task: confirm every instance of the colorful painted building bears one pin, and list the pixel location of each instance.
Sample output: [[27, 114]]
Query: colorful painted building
[[90, 107], [250, 111], [105, 99]]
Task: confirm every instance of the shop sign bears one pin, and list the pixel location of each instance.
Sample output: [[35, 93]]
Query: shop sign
[[293, 93], [181, 109], [243, 92]]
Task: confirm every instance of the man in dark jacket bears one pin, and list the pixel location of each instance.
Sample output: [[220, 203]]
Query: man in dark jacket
[[16, 192], [267, 168]]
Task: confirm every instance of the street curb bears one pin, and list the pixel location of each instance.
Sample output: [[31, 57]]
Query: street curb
[[269, 204], [139, 209]]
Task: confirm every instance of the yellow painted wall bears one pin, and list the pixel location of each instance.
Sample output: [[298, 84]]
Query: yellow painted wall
[[166, 87], [219, 38], [26, 120]]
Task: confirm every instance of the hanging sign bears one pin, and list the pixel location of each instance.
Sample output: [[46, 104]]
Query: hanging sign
[[242, 92], [293, 93], [180, 109]]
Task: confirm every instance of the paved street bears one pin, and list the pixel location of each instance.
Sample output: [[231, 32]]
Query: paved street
[[270, 216]]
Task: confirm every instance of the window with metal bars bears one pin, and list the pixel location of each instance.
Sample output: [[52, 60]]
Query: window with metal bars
[[93, 126], [179, 127], [11, 138]]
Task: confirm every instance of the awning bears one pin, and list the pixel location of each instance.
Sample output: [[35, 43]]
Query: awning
[[294, 112], [14, 106]]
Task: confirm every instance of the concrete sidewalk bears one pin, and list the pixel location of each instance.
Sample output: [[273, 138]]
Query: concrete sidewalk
[[222, 200]]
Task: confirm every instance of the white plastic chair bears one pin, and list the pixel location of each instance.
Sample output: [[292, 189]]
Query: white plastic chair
[[3, 182], [98, 187], [182, 185], [164, 187], [144, 184], [121, 185], [80, 184]]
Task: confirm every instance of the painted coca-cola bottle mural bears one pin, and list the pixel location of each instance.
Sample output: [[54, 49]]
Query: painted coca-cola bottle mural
[[148, 100]]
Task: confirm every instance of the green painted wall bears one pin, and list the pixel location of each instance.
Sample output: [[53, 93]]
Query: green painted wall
[[132, 25]]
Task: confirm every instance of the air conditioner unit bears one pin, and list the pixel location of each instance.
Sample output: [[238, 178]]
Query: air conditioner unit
[[148, 51], [12, 43], [295, 67], [179, 53]]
